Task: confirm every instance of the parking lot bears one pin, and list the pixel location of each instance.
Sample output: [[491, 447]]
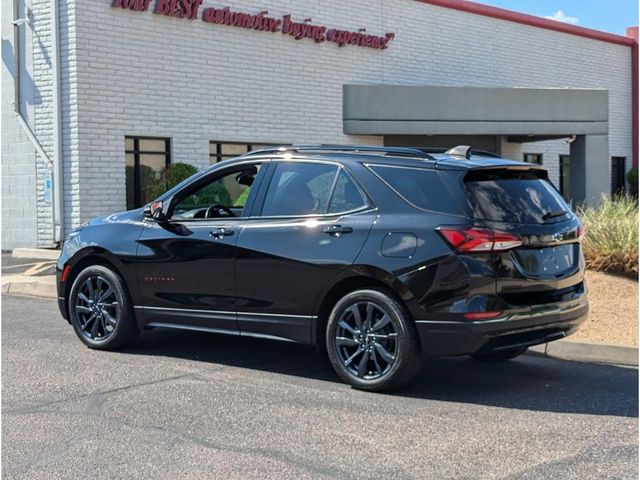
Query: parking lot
[[189, 405]]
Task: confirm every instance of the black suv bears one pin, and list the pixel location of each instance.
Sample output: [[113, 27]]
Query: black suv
[[376, 255]]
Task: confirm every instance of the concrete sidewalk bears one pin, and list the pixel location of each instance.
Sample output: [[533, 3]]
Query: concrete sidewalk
[[33, 286], [589, 352], [37, 253]]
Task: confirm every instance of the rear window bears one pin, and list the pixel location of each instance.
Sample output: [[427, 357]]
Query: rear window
[[420, 187], [514, 197]]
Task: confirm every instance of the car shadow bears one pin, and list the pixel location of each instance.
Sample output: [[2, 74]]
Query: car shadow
[[530, 382]]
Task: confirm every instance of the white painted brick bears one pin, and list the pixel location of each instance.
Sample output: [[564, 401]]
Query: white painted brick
[[18, 155], [130, 73]]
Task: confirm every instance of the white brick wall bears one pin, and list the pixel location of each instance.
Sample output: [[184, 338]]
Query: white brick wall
[[132, 73], [19, 215]]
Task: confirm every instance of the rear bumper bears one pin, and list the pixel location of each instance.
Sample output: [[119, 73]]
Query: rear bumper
[[518, 328]]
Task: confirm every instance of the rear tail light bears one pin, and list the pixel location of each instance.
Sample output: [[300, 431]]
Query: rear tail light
[[581, 231], [472, 239]]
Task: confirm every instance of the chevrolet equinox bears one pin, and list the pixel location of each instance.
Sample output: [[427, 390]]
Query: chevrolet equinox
[[378, 256]]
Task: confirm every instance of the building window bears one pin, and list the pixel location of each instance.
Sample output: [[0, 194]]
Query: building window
[[219, 151], [617, 175], [565, 169], [145, 157], [532, 158]]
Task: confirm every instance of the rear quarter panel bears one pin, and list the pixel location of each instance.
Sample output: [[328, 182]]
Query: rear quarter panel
[[433, 282]]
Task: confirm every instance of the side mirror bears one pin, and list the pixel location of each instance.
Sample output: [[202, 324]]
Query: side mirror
[[156, 212]]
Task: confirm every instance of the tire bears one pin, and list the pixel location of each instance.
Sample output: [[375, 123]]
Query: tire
[[390, 345], [499, 356], [100, 309]]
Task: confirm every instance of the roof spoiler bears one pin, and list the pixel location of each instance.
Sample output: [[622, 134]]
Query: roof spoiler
[[461, 151]]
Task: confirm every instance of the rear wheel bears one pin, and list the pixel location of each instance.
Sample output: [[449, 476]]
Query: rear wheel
[[372, 342], [499, 356], [100, 309]]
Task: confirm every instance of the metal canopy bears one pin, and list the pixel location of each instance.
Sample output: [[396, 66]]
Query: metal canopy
[[433, 110]]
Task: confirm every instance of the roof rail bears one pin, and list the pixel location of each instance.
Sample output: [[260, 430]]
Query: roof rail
[[395, 151]]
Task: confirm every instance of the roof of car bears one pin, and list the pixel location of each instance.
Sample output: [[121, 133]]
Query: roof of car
[[401, 156]]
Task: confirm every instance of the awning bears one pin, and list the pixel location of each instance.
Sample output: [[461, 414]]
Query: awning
[[433, 110]]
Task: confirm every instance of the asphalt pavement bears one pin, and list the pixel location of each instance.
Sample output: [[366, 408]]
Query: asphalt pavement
[[194, 405]]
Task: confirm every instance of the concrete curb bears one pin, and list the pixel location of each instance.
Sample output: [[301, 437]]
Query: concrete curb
[[37, 253], [589, 352], [31, 289]]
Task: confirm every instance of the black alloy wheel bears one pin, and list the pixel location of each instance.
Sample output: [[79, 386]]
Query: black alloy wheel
[[97, 308], [366, 340], [100, 309], [372, 342]]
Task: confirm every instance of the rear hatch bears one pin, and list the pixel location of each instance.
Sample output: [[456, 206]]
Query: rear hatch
[[548, 265]]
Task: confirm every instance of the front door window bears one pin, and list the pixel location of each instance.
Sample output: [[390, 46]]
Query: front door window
[[223, 196]]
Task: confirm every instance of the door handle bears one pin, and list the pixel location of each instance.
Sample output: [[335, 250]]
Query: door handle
[[220, 233], [337, 230]]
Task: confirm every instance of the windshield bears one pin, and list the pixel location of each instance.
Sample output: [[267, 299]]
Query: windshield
[[514, 196]]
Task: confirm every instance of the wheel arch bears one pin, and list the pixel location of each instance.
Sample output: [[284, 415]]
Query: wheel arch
[[346, 283], [86, 258]]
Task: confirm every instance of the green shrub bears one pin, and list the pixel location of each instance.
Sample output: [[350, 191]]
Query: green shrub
[[156, 183], [177, 172], [611, 241]]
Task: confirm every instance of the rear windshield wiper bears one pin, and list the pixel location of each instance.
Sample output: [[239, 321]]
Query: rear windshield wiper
[[554, 214]]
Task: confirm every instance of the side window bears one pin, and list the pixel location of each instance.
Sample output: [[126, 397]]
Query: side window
[[299, 188], [420, 187], [346, 195], [222, 196]]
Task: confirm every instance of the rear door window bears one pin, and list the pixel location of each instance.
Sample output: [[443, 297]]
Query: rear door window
[[420, 187], [299, 188], [514, 196], [307, 188]]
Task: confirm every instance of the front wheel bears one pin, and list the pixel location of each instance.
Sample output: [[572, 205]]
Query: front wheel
[[100, 309], [372, 342], [500, 355]]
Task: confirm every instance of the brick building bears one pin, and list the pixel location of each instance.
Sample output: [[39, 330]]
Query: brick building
[[110, 89]]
